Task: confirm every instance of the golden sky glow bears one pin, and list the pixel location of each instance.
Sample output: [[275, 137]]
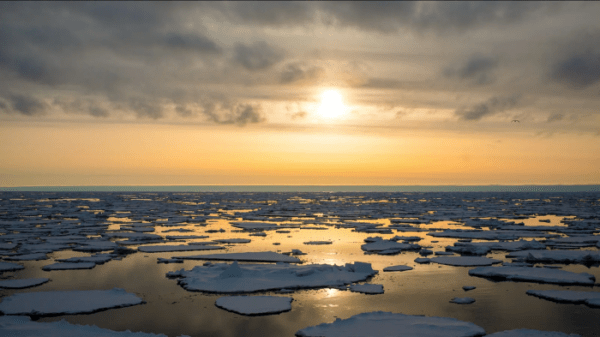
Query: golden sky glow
[[410, 93]]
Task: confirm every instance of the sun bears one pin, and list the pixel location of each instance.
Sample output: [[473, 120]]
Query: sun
[[332, 105]]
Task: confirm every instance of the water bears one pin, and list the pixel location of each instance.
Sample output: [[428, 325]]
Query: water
[[425, 290]]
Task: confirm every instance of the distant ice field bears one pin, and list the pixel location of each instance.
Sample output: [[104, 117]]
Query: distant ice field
[[528, 258]]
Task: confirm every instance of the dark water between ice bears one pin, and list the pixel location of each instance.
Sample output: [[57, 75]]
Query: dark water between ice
[[425, 290]]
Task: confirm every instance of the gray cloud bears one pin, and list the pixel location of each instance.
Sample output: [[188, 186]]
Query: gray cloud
[[490, 107], [257, 56], [295, 72], [555, 117], [240, 114], [478, 69], [578, 71], [27, 105]]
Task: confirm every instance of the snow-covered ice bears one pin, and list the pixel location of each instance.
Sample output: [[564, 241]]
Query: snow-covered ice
[[464, 261], [250, 257], [557, 256], [528, 274], [530, 333], [234, 278], [462, 300], [397, 268], [591, 298], [8, 266], [386, 324], [176, 248], [69, 266], [66, 302], [22, 283], [255, 305], [367, 288]]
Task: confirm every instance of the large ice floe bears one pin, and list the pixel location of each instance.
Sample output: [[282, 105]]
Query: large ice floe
[[557, 256], [249, 257], [8, 266], [25, 327], [464, 261], [255, 305], [530, 333], [590, 298], [246, 278], [529, 274], [66, 302], [388, 247], [22, 283], [176, 248], [385, 324]]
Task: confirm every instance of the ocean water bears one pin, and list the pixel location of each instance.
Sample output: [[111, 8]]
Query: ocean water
[[345, 219]]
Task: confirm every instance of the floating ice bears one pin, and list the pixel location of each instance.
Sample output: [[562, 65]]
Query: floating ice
[[422, 260], [251, 257], [557, 256], [467, 288], [28, 257], [318, 242], [387, 246], [367, 288], [530, 333], [397, 268], [69, 266], [161, 260], [22, 283], [176, 248], [255, 225], [255, 305], [97, 258], [24, 327], [185, 237], [385, 324], [233, 241], [527, 274], [590, 298], [482, 248], [463, 300], [234, 278], [465, 261], [7, 266], [66, 302]]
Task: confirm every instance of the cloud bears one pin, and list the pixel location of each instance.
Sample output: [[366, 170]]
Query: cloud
[[27, 105], [257, 56], [490, 107], [555, 117], [194, 42], [478, 69], [240, 114], [578, 71], [299, 115], [295, 72]]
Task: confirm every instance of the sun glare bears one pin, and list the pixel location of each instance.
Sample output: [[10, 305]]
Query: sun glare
[[332, 105]]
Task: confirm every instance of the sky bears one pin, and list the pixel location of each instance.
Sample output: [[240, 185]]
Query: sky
[[299, 93]]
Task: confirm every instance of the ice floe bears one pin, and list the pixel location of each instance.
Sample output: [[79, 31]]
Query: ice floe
[[66, 302], [318, 242], [557, 256], [22, 283], [397, 268], [530, 333], [69, 266], [8, 266], [590, 298], [385, 324], [176, 248], [234, 278], [465, 261], [385, 247], [462, 300], [250, 257], [367, 288], [255, 305], [25, 327], [528, 274], [482, 248]]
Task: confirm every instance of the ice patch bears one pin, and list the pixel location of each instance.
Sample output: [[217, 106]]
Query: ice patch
[[462, 300], [69, 266], [7, 266], [590, 298], [318, 242], [385, 324], [255, 305], [367, 288], [22, 283], [464, 261], [530, 333], [66, 302], [221, 278], [397, 268], [177, 248], [250, 257], [527, 274]]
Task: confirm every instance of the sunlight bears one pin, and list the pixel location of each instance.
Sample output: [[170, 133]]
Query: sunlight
[[331, 105]]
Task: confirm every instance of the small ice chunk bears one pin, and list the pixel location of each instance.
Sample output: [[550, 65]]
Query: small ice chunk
[[22, 283], [161, 260], [255, 305], [69, 266], [467, 288], [318, 242], [397, 268], [422, 260], [250, 256], [384, 324], [463, 300], [176, 248], [590, 298], [66, 302], [233, 240], [367, 288]]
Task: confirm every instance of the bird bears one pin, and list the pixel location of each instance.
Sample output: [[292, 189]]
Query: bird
[[515, 121]]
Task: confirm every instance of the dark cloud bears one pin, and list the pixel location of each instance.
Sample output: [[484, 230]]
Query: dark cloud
[[27, 105], [295, 72], [578, 71], [224, 113], [191, 42], [257, 56], [478, 69], [555, 117], [490, 107]]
